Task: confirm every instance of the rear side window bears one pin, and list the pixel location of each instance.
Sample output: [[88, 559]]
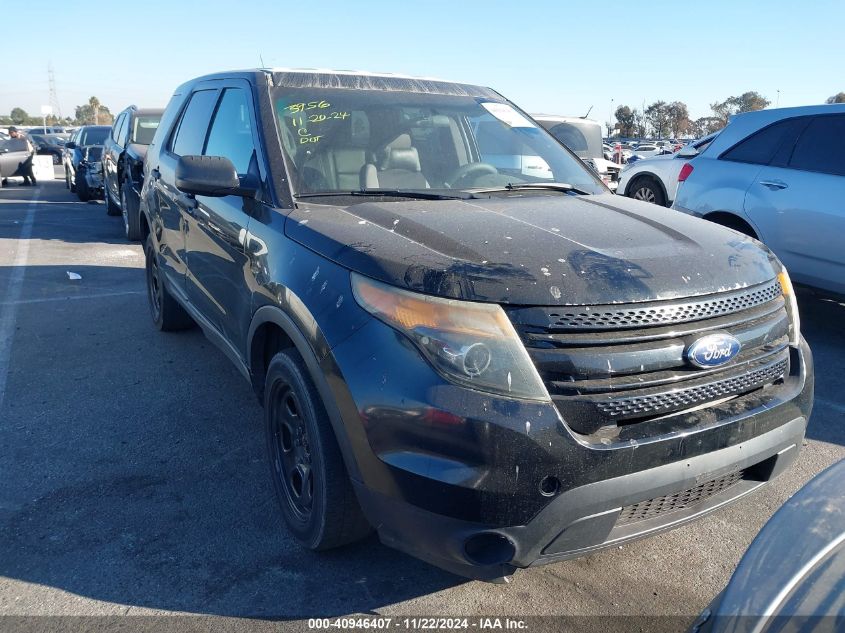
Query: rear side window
[[820, 146], [115, 131], [570, 136], [121, 134], [190, 133], [231, 131], [760, 148]]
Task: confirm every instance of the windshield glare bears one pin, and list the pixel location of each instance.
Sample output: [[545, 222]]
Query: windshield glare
[[339, 140]]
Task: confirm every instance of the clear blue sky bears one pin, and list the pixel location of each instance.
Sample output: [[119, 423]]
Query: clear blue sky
[[558, 57]]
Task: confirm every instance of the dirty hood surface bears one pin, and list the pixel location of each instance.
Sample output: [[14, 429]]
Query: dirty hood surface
[[534, 250]]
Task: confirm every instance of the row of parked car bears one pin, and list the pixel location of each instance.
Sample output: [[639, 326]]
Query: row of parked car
[[741, 189]]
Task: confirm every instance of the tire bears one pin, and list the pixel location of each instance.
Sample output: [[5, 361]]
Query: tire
[[67, 178], [82, 191], [167, 314], [71, 183], [312, 486], [111, 206], [647, 189], [130, 212]]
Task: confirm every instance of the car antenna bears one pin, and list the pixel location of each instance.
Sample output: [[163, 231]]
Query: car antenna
[[588, 113]]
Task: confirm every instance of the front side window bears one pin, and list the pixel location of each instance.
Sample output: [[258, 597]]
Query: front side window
[[231, 131], [820, 146], [572, 137], [339, 140], [192, 127]]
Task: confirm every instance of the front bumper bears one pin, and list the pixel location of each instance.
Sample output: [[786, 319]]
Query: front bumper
[[460, 479]]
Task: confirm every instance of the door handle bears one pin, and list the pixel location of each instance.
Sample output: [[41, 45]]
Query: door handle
[[774, 184], [155, 174]]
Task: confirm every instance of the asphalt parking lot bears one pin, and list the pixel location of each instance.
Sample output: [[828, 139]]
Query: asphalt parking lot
[[134, 478]]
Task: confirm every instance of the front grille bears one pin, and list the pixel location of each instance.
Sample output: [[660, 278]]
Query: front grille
[[637, 406], [608, 366], [678, 501], [662, 313]]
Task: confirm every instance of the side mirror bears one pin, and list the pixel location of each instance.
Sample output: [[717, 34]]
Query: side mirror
[[211, 176], [70, 145], [688, 152]]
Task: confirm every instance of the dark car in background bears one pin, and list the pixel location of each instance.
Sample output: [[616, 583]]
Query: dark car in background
[[52, 145], [464, 357], [13, 152], [89, 174], [123, 164], [84, 137]]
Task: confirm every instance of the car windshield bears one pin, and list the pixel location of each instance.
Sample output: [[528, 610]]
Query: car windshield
[[145, 128], [340, 140], [93, 136]]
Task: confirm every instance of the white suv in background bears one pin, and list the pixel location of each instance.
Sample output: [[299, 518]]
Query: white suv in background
[[779, 176], [656, 179], [583, 138]]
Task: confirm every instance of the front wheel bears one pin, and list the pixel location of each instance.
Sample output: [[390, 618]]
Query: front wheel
[[647, 190], [131, 213], [111, 206], [312, 486], [167, 314], [82, 190]]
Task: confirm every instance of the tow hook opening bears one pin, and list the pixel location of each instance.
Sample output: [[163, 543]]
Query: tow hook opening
[[489, 548], [549, 486]]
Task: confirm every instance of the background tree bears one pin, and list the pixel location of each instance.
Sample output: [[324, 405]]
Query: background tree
[[746, 102], [657, 116], [837, 98], [640, 123], [19, 116], [93, 113], [625, 120], [678, 116], [705, 125], [94, 104]]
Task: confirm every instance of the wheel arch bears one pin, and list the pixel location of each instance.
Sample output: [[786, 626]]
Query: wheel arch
[[271, 330], [647, 174], [733, 221]]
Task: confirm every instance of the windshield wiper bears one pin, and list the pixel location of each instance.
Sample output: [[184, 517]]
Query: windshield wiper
[[552, 186], [418, 194]]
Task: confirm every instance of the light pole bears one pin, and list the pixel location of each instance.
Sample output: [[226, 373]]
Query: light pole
[[610, 119], [777, 101]]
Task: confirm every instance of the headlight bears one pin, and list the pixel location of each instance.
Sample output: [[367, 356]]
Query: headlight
[[791, 307], [473, 344]]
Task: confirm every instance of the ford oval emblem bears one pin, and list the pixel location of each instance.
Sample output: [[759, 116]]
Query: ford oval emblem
[[713, 350]]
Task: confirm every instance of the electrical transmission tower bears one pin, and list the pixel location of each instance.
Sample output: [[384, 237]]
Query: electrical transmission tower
[[54, 98]]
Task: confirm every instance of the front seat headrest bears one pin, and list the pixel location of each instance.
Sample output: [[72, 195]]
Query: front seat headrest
[[403, 158]]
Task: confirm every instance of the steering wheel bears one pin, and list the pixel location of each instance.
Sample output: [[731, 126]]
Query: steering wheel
[[466, 173]]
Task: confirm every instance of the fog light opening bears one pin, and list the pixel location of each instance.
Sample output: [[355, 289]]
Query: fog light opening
[[489, 548], [549, 486]]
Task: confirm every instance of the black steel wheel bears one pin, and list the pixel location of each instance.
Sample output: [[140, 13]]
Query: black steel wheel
[[166, 312], [309, 477]]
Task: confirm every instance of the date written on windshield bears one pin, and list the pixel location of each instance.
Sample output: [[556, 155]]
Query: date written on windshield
[[307, 118]]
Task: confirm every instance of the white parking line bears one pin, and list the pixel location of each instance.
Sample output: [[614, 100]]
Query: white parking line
[[101, 295], [8, 311]]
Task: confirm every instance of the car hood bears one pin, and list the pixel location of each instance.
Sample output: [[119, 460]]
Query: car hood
[[534, 250]]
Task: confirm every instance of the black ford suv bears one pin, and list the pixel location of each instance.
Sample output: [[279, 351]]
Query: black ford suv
[[123, 164], [492, 366]]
